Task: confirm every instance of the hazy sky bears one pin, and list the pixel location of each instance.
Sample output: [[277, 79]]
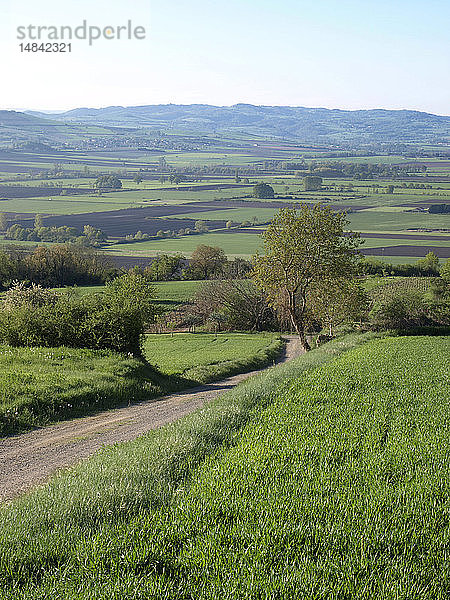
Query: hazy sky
[[332, 53]]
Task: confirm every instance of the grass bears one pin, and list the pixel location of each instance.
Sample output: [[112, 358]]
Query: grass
[[396, 222], [166, 292], [196, 355], [234, 244], [108, 527], [175, 292], [43, 385]]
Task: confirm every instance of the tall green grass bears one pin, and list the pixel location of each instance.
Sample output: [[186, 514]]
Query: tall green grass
[[42, 385], [137, 521]]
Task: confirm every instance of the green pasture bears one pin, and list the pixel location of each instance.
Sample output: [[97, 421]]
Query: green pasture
[[188, 353], [395, 221], [233, 244], [327, 477]]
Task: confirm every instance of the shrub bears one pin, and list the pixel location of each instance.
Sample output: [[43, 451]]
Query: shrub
[[407, 310], [114, 320]]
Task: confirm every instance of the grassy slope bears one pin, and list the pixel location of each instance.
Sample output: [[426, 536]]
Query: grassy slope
[[197, 356], [97, 531], [41, 385]]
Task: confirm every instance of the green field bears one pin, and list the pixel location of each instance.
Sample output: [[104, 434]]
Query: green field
[[166, 292], [42, 385], [234, 244], [325, 478], [87, 515], [175, 292], [188, 354], [217, 166]]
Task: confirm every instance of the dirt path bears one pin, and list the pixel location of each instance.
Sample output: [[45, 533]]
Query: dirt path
[[29, 459]]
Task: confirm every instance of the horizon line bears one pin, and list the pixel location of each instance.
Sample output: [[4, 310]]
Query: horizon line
[[102, 107]]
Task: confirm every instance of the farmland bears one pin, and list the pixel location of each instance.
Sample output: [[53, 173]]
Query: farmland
[[42, 385], [194, 356], [326, 477], [168, 188]]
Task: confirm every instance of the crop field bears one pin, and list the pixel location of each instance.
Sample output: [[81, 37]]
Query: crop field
[[218, 188], [325, 478], [187, 354], [383, 288]]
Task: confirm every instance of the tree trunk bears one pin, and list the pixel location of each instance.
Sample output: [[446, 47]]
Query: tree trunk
[[297, 322]]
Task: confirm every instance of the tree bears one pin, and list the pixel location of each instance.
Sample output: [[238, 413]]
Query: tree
[[201, 227], [137, 178], [38, 221], [165, 267], [240, 304], [263, 190], [304, 249], [429, 265], [105, 182], [207, 261], [390, 189], [312, 183], [445, 270], [3, 221], [338, 301]]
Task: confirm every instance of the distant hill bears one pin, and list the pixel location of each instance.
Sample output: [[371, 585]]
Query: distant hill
[[11, 118], [318, 125]]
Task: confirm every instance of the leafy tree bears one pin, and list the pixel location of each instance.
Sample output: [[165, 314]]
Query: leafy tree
[[338, 301], [137, 178], [239, 304], [429, 264], [201, 226], [207, 261], [105, 182], [304, 249], [312, 183], [166, 267], [263, 190], [445, 270], [38, 221], [402, 311]]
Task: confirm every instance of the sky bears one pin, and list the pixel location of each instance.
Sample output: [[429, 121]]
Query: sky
[[349, 54]]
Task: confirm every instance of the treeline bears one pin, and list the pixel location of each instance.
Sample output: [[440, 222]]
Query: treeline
[[354, 170], [206, 262], [89, 237], [424, 267], [54, 266]]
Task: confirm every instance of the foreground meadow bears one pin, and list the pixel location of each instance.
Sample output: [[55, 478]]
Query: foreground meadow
[[327, 477]]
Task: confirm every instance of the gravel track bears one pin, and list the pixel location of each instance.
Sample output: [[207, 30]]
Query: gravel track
[[29, 459]]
